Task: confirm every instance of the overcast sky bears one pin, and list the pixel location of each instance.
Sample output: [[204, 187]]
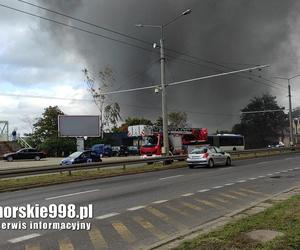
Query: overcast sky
[[41, 58]]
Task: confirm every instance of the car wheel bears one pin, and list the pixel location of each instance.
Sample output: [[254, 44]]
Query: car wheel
[[228, 161], [10, 158], [211, 163], [191, 166], [37, 158]]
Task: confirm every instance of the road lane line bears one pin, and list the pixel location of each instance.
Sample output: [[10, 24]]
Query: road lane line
[[149, 227], [33, 246], [106, 216], [203, 190], [159, 202], [241, 181], [277, 172], [97, 239], [269, 174], [261, 176], [171, 177], [22, 238], [217, 187], [253, 178], [135, 208], [67, 195], [229, 184], [123, 231], [187, 194], [284, 171], [65, 244]]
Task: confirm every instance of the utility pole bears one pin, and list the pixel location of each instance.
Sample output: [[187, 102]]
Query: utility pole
[[164, 95], [290, 106], [165, 150], [290, 114]]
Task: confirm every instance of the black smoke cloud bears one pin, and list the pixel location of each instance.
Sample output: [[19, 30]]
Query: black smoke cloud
[[235, 33]]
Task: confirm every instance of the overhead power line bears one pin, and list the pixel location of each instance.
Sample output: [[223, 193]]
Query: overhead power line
[[134, 38], [263, 111], [125, 104], [127, 36]]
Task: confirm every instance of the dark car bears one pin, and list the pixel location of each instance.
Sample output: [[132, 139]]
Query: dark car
[[120, 151], [81, 157], [133, 150], [102, 150], [24, 153]]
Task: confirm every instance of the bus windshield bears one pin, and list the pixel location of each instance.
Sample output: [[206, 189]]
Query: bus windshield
[[150, 141]]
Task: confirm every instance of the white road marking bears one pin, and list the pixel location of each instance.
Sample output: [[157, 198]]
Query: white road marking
[[203, 190], [229, 184], [241, 181], [106, 216], [253, 178], [170, 177], [160, 201], [188, 194], [26, 237], [269, 174], [261, 176], [284, 171], [66, 195], [217, 187], [290, 169], [297, 168], [135, 208], [277, 172]]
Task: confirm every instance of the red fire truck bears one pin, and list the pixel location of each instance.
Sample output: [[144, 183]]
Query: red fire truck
[[179, 139]]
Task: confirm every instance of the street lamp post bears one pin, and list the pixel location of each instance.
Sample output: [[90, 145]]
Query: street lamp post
[[290, 106], [165, 149], [296, 121]]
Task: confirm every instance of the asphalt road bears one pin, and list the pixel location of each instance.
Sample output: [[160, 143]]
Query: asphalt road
[[136, 211], [49, 161]]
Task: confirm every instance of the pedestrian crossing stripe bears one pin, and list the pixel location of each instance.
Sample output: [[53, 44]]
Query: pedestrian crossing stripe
[[32, 246], [189, 205], [229, 196], [97, 239], [149, 227], [123, 231], [65, 244]]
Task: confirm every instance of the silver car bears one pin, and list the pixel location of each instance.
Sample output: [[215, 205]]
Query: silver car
[[208, 156]]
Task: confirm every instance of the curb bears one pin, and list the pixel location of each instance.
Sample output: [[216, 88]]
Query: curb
[[209, 226]]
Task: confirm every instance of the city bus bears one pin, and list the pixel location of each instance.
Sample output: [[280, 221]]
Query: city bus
[[227, 142]]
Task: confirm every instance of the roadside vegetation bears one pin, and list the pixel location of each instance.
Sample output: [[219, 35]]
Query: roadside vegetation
[[283, 217]]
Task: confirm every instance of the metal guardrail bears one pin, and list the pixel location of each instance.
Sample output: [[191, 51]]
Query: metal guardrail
[[57, 169]]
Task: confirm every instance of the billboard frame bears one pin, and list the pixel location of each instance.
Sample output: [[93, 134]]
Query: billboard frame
[[78, 136]]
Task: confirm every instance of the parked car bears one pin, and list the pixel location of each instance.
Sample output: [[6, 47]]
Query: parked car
[[120, 151], [133, 150], [102, 150], [81, 157], [24, 153], [208, 156]]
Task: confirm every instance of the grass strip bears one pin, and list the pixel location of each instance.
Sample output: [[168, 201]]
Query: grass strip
[[283, 217], [13, 184]]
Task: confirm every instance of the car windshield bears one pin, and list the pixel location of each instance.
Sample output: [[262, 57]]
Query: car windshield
[[199, 151], [75, 154], [150, 141]]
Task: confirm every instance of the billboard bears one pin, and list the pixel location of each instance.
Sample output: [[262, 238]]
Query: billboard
[[78, 125]]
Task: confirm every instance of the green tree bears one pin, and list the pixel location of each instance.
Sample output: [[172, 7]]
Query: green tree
[[45, 134], [98, 86], [177, 119], [261, 129]]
